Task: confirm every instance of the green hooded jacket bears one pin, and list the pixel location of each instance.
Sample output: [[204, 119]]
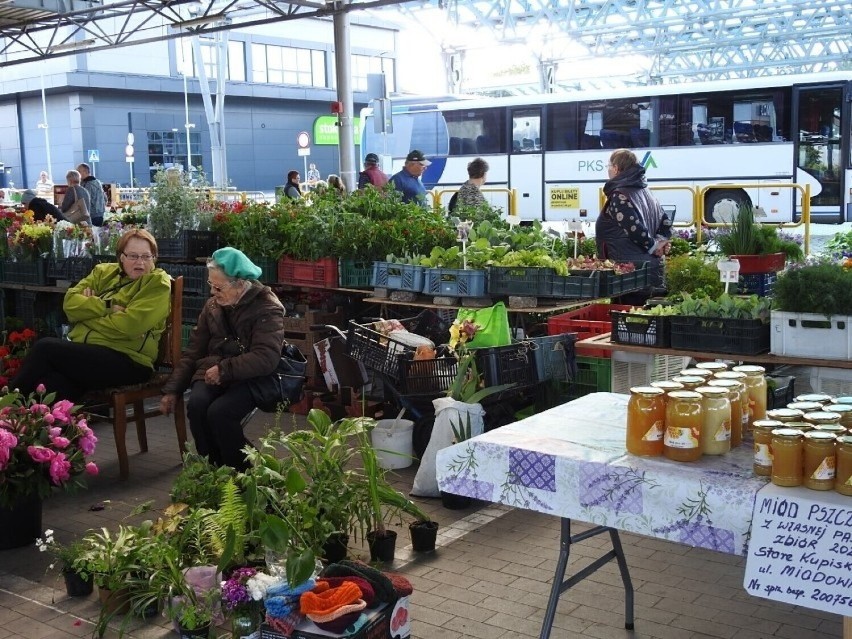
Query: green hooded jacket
[[134, 331]]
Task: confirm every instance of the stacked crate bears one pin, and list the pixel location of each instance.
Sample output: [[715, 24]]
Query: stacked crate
[[297, 327]]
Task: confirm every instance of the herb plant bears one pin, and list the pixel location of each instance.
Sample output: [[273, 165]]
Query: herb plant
[[823, 288]]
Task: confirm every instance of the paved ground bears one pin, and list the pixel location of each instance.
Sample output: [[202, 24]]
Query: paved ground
[[489, 579]]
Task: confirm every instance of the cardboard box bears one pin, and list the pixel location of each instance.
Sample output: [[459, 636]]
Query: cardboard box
[[386, 622]]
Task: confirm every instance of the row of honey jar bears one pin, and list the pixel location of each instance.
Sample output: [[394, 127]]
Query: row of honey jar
[[704, 410]]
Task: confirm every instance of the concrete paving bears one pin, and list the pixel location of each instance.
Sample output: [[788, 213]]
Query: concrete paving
[[489, 579]]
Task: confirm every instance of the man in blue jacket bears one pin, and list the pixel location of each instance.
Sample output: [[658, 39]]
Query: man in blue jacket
[[408, 181]]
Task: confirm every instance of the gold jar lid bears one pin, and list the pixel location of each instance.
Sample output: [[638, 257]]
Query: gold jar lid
[[787, 433], [714, 367], [696, 372], [820, 436], [768, 423], [684, 394], [837, 429], [844, 400], [821, 398], [786, 414], [749, 369], [729, 375], [805, 407], [647, 391], [687, 380], [667, 385], [712, 391], [822, 417], [842, 409]]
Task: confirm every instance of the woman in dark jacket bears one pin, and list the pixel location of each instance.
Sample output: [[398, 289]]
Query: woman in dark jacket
[[239, 336], [632, 226]]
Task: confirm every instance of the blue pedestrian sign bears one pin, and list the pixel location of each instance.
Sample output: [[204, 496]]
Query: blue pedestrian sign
[[94, 155]]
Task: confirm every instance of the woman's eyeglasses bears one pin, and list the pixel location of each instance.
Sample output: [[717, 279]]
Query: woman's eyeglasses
[[135, 257], [217, 289]]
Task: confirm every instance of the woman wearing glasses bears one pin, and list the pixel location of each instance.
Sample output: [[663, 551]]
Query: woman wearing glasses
[[239, 335], [118, 313]]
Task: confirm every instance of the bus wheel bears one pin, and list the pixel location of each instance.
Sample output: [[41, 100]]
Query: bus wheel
[[722, 206]]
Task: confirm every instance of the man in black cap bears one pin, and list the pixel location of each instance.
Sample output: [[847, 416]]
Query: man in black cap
[[372, 174], [39, 206], [408, 181]]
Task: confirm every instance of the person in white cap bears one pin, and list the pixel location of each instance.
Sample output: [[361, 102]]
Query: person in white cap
[[408, 181]]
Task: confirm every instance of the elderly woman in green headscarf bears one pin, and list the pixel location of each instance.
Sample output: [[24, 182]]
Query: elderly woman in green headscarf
[[239, 336]]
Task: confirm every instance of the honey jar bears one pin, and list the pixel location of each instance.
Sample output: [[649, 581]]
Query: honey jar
[[646, 420], [805, 407], [715, 420], [820, 460], [787, 457], [805, 427], [667, 385], [843, 478], [763, 445], [755, 382], [785, 414], [696, 372], [682, 440], [820, 398], [824, 418], [689, 382], [845, 412], [835, 429], [713, 367], [843, 400], [736, 395]]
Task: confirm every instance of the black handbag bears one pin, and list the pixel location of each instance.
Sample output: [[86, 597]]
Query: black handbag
[[284, 386]]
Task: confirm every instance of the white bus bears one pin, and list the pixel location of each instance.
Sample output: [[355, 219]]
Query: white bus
[[553, 149]]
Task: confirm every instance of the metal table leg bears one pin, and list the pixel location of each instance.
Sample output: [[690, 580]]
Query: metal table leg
[[560, 584]]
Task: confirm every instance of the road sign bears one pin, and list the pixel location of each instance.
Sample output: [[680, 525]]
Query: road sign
[[303, 140], [304, 152], [94, 155]]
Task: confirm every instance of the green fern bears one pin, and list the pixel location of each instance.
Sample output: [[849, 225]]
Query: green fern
[[233, 515]]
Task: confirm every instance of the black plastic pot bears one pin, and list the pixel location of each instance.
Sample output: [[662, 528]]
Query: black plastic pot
[[454, 502], [76, 586], [423, 535], [203, 633], [335, 547], [382, 548]]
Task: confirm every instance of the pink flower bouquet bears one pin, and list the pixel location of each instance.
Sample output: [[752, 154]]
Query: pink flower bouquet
[[43, 445]]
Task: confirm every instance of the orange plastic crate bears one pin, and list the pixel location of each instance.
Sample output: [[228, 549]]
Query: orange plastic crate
[[587, 322]]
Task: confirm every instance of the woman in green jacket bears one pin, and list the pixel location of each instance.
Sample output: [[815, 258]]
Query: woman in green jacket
[[118, 313]]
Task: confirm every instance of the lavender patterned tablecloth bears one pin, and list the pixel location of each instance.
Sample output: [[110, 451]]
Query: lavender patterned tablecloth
[[570, 461]]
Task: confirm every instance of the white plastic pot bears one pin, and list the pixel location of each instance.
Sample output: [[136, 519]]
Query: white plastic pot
[[392, 439]]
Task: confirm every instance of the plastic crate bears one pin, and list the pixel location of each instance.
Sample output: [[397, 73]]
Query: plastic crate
[[374, 350], [426, 376], [520, 280], [586, 322], [197, 244], [169, 247], [185, 333], [719, 335], [194, 276], [302, 318], [593, 376], [269, 268], [612, 283], [25, 272], [355, 274], [554, 356], [454, 282], [640, 329], [810, 335], [783, 393], [512, 364], [322, 273], [72, 269], [192, 305], [398, 277], [578, 287], [759, 284]]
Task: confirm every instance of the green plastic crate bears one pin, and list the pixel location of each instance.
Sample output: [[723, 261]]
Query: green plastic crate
[[355, 274], [594, 375]]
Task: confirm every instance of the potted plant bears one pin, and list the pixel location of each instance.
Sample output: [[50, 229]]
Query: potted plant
[[758, 247], [252, 227], [193, 610], [77, 583], [238, 603], [728, 324], [44, 444]]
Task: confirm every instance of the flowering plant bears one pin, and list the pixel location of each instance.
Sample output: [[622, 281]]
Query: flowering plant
[[13, 350], [71, 240], [30, 241], [65, 555], [43, 445], [242, 592]]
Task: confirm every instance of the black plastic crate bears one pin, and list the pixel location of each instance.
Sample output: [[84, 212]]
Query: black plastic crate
[[194, 276], [520, 280], [169, 247], [783, 393], [554, 356], [719, 335], [199, 243], [72, 269], [612, 283], [25, 272], [640, 329], [427, 376], [192, 305], [374, 350], [269, 268], [759, 284], [581, 287], [512, 364]]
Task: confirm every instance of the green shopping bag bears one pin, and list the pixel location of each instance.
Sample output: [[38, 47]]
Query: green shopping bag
[[493, 323]]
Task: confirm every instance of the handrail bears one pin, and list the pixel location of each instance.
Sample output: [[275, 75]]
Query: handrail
[[438, 194], [666, 187]]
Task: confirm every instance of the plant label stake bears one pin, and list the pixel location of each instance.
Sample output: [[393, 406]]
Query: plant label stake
[[463, 230], [576, 227], [729, 271]]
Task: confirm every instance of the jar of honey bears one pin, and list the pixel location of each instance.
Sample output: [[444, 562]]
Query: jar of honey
[[805, 427], [835, 429], [713, 367], [646, 420], [689, 382], [843, 478], [843, 400], [715, 420], [763, 445], [787, 457], [824, 418], [785, 414], [682, 440], [820, 460], [756, 384], [805, 407], [845, 412], [696, 372], [820, 398], [667, 385], [736, 395]]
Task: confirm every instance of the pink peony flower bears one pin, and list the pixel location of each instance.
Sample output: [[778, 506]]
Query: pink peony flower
[[87, 444], [55, 431], [62, 410], [40, 454], [49, 418], [60, 469], [60, 442], [92, 469], [40, 389]]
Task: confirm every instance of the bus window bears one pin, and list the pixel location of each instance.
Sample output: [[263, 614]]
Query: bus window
[[526, 131], [618, 123], [562, 128], [429, 134], [475, 132], [739, 118]]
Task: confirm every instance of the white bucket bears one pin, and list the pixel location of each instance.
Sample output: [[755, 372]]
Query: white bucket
[[392, 439]]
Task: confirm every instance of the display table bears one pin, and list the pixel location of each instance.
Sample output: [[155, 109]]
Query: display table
[[570, 461]]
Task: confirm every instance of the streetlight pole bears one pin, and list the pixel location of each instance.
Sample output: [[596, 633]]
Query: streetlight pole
[[43, 125]]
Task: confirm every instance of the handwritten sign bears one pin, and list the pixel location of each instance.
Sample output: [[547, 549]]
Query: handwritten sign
[[800, 550]]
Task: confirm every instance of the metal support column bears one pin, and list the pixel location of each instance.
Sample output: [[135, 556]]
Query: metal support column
[[342, 57]]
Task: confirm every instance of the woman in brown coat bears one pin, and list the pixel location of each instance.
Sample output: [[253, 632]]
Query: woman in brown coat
[[239, 336]]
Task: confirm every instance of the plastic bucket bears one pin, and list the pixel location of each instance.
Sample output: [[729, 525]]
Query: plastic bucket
[[392, 440]]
